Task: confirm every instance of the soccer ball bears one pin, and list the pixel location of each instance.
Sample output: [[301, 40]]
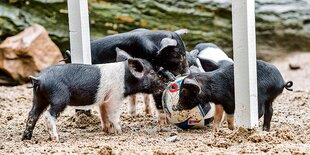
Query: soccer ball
[[198, 117]]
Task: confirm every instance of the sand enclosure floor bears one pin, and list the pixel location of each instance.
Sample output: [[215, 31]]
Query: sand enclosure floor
[[290, 127]]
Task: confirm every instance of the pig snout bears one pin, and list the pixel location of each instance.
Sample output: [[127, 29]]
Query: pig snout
[[170, 76], [166, 74]]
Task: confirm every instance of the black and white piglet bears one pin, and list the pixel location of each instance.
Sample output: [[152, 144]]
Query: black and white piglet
[[205, 55], [218, 87], [104, 85], [163, 49]]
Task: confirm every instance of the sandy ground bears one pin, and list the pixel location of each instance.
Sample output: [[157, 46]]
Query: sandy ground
[[79, 134]]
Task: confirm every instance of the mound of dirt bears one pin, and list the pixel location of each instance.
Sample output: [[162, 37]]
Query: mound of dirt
[[106, 150], [81, 120]]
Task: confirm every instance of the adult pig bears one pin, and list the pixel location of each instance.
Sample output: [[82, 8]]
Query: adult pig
[[161, 48], [205, 55]]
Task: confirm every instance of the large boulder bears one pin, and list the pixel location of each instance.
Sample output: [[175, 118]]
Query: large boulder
[[282, 25], [26, 53]]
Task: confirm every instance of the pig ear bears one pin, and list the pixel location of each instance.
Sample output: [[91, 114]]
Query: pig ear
[[192, 84], [208, 65], [181, 31], [194, 53], [121, 55], [194, 69], [136, 67], [166, 42]]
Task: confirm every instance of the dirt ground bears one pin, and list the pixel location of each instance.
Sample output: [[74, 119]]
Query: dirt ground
[[80, 134]]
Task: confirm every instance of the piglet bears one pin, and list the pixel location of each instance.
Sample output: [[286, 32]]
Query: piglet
[[104, 85], [218, 87], [205, 55]]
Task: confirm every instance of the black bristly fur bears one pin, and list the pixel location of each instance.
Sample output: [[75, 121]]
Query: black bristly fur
[[218, 87], [62, 85], [145, 44]]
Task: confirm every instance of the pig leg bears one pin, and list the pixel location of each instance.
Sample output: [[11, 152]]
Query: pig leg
[[162, 119], [104, 118], [37, 108], [132, 104], [229, 109], [217, 117], [231, 121], [110, 117], [147, 102], [267, 116], [51, 125], [58, 105]]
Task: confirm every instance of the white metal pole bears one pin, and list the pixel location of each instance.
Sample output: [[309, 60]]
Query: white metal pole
[[79, 31], [244, 46]]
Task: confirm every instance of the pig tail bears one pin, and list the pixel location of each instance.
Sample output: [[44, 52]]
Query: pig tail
[[35, 82], [288, 85]]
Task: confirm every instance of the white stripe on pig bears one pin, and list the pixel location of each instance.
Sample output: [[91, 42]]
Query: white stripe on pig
[[215, 54], [110, 95]]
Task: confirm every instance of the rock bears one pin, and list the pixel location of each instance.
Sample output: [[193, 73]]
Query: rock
[[294, 66], [172, 139], [26, 53]]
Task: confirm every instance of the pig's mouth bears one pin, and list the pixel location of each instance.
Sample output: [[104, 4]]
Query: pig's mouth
[[171, 76], [183, 72], [166, 74]]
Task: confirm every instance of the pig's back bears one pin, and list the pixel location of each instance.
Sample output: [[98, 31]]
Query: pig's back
[[103, 50], [269, 80], [139, 43], [79, 81]]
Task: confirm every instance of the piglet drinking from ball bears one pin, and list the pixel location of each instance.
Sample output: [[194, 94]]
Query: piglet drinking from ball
[[218, 86]]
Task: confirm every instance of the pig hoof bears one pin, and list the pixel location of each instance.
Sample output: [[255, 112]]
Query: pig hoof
[[162, 120], [118, 131], [266, 129], [215, 129], [112, 129], [26, 136], [105, 127], [148, 112], [54, 139], [231, 127], [132, 111]]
